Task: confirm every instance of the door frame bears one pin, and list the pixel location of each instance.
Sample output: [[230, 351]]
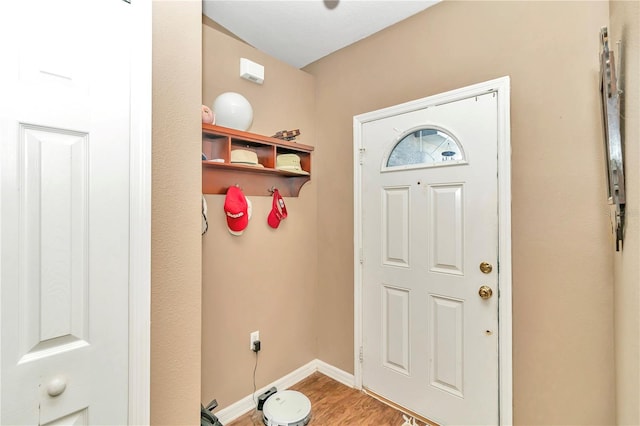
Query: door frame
[[140, 216], [500, 86]]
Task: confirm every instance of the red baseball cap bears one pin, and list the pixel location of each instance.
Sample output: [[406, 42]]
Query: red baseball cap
[[278, 210], [237, 207]]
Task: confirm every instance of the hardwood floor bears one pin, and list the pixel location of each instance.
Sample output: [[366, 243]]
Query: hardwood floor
[[334, 404]]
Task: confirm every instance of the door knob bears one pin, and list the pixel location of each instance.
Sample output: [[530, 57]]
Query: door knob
[[56, 386], [486, 267], [485, 292]]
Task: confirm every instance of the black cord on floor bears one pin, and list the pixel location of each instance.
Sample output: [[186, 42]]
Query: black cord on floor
[[255, 401]]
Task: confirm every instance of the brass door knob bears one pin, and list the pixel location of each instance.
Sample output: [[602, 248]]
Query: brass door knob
[[486, 267], [485, 292]]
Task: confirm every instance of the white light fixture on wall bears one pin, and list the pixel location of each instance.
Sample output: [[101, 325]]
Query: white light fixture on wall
[[251, 71]]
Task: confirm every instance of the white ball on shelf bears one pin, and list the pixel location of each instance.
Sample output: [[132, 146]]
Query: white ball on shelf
[[233, 110]]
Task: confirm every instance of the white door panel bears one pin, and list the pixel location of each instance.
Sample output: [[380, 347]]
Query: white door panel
[[430, 342], [64, 212], [395, 329], [445, 226], [395, 226]]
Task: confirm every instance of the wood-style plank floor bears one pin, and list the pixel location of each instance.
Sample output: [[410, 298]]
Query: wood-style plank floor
[[334, 404]]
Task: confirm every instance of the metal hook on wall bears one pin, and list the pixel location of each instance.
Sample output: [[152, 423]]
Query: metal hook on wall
[[234, 185], [272, 190]]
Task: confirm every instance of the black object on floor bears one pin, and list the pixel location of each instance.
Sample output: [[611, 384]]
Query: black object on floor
[[262, 398], [207, 418]]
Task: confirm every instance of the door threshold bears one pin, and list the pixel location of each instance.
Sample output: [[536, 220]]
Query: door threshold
[[399, 407]]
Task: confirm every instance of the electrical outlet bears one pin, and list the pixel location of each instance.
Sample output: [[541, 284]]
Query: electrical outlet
[[254, 336]]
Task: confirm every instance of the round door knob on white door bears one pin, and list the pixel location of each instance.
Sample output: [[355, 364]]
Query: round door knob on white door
[[485, 292], [56, 386]]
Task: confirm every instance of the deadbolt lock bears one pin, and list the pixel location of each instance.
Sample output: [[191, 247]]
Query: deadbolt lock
[[486, 267], [485, 292]]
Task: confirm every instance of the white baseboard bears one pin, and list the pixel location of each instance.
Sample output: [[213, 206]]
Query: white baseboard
[[246, 404], [335, 373]]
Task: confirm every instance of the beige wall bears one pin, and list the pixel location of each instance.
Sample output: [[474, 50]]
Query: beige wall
[[562, 249], [625, 26], [175, 226], [266, 279]]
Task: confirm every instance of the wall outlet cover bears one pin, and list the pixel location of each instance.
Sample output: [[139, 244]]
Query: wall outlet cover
[[253, 337]]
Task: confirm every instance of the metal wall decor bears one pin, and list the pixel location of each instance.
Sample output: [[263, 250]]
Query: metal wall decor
[[610, 91]]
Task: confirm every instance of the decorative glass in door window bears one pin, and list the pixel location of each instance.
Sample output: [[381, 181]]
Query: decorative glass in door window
[[425, 147]]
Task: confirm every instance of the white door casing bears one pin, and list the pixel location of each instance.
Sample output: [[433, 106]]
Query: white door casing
[[74, 213], [425, 286]]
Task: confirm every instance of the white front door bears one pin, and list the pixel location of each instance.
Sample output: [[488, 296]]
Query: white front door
[[429, 220], [64, 211]]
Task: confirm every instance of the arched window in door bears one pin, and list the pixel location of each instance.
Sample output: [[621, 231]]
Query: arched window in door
[[425, 147]]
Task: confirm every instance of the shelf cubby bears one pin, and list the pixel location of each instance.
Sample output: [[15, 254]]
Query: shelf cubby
[[218, 173]]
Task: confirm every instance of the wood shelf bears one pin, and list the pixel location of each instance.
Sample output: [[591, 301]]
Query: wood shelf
[[217, 176]]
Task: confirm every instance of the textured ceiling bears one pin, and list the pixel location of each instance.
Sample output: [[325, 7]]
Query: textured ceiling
[[299, 32]]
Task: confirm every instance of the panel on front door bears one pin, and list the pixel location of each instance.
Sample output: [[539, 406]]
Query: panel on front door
[[395, 329], [395, 227], [446, 229], [447, 344]]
